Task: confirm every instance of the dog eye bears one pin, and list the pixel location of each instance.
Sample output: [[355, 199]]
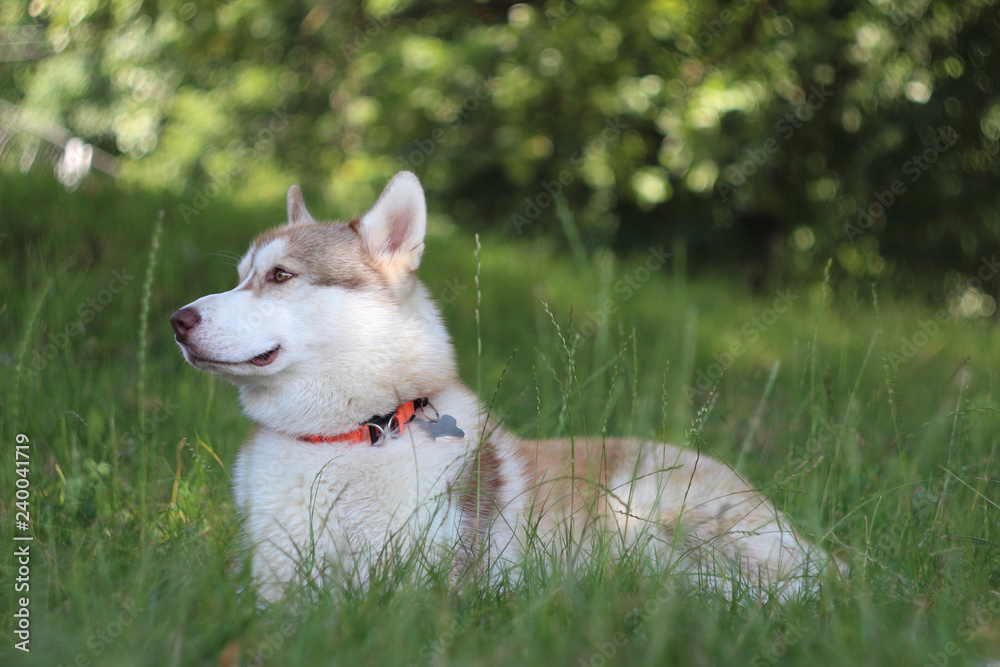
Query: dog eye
[[280, 275]]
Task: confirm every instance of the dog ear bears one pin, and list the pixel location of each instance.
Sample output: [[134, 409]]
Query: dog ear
[[393, 230], [297, 212]]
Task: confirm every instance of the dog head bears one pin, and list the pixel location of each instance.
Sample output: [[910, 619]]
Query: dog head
[[328, 324]]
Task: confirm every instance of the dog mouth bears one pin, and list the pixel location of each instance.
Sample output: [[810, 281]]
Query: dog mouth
[[262, 359], [265, 358]]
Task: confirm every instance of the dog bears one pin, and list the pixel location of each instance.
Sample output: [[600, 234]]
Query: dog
[[366, 444]]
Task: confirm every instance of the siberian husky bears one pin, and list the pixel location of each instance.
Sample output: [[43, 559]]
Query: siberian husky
[[366, 443]]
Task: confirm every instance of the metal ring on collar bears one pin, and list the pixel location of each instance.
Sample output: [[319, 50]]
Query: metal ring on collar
[[381, 434], [423, 411]]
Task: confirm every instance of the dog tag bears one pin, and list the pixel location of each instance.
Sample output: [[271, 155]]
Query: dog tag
[[445, 427]]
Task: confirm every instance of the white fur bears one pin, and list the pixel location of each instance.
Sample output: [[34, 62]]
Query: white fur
[[346, 506], [347, 353]]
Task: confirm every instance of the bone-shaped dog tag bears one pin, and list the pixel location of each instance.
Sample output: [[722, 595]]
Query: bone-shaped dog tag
[[445, 427]]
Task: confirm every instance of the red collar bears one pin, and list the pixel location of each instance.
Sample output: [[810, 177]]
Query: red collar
[[375, 429]]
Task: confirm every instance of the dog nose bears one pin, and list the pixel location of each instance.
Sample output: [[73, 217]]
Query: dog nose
[[183, 321]]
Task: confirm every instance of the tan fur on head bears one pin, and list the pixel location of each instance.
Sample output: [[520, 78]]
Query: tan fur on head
[[347, 309]]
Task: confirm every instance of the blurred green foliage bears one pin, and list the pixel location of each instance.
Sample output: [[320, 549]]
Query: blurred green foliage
[[767, 135]]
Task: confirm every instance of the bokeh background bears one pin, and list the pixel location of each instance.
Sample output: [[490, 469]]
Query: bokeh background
[[766, 230], [766, 136]]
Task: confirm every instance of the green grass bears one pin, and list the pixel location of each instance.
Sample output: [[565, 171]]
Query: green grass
[[890, 462]]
